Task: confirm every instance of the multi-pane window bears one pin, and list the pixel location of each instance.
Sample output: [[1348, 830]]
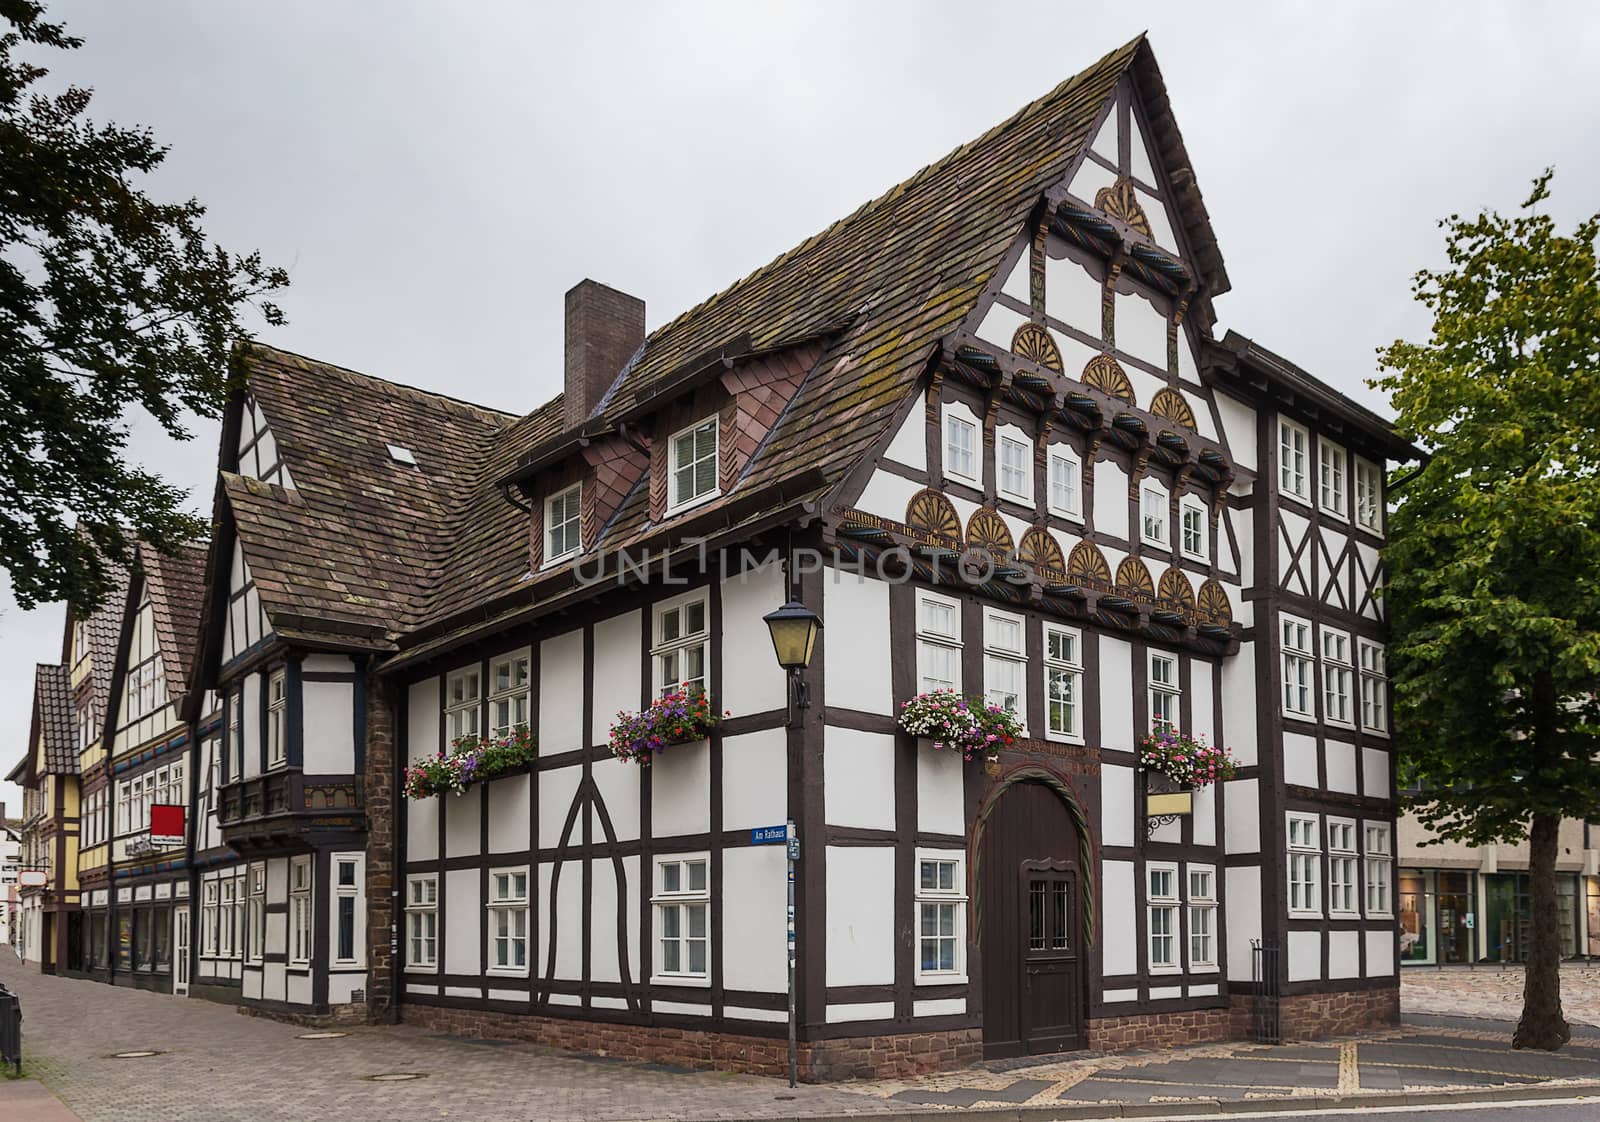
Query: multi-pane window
[[1063, 683], [1305, 856], [462, 690], [1293, 449], [1379, 859], [144, 687], [961, 448], [1341, 867], [1369, 496], [508, 921], [1374, 687], [1165, 692], [1005, 665], [1066, 482], [938, 643], [1337, 673], [256, 914], [682, 646], [1202, 916], [1330, 478], [88, 732], [346, 901], [422, 922], [236, 734], [1161, 908], [124, 806], [941, 900], [1192, 540], [508, 694], [210, 914], [1153, 514], [228, 917], [561, 525], [693, 476], [277, 719], [1016, 469], [682, 904], [1297, 665], [300, 910]]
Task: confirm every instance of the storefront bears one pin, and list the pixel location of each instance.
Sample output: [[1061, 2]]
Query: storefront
[[1437, 915], [1454, 916], [144, 933]]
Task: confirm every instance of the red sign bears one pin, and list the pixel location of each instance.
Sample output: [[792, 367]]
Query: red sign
[[166, 824]]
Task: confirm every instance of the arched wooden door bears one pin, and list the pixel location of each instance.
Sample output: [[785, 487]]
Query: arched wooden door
[[1031, 925]]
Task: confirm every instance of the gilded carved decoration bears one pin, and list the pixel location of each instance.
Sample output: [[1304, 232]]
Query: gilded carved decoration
[[1133, 580], [1175, 589], [1040, 550], [1169, 403], [931, 513], [1033, 342], [1121, 202], [1087, 565], [987, 530], [1213, 604], [1105, 374]]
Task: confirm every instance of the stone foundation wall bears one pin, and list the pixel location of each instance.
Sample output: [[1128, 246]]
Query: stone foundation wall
[[822, 1060], [1165, 1030], [1308, 1015], [337, 1015]]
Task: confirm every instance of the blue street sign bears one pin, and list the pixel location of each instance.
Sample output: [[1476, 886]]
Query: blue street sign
[[769, 835]]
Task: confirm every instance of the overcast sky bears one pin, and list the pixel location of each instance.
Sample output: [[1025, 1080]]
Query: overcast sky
[[436, 175]]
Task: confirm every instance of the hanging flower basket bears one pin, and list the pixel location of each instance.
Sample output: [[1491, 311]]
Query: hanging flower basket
[[472, 759], [961, 724], [1188, 762], [673, 718]]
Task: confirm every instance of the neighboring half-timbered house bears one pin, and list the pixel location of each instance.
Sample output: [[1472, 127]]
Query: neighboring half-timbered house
[[47, 907]]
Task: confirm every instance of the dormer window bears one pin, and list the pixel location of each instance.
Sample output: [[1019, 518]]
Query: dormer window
[[693, 477], [562, 536]]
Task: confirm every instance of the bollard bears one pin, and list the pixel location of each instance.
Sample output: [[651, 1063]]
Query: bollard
[[10, 1029]]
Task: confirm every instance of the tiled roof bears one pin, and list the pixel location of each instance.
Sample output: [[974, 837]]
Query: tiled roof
[[104, 630], [53, 717], [177, 588]]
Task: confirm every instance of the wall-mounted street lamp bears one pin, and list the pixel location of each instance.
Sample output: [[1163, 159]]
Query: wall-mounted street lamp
[[794, 630]]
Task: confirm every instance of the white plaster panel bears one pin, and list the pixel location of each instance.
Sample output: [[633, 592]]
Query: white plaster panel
[[518, 996], [861, 1011], [566, 904], [509, 809], [556, 791], [1017, 284], [1116, 690], [1168, 832], [1375, 773], [1239, 704], [1238, 430], [1161, 993], [1139, 162], [1120, 923], [858, 778], [617, 685], [1160, 222], [1116, 804], [941, 782], [910, 443], [1144, 383], [739, 1013], [328, 731], [422, 829], [939, 1007], [860, 910], [475, 992], [1204, 721], [1344, 954], [685, 1008], [755, 906], [1203, 991], [1305, 956], [462, 946], [1241, 826], [604, 963], [1141, 332], [574, 999], [1205, 816], [618, 784], [856, 669], [252, 725], [1075, 355], [1110, 500], [463, 823], [752, 680], [422, 723], [1380, 953], [680, 790], [999, 324], [886, 495], [561, 693], [1300, 759], [1090, 178], [413, 987], [755, 788], [342, 986], [1111, 996], [1105, 141], [1341, 763], [327, 664]]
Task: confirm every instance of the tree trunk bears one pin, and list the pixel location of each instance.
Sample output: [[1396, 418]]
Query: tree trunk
[[1542, 1025]]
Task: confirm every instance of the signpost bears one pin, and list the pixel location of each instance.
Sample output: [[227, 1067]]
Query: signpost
[[789, 838], [167, 824]]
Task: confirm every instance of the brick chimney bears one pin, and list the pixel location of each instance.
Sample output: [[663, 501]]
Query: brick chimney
[[604, 328]]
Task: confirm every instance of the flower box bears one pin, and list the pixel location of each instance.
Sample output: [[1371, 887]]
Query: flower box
[[948, 720], [671, 719], [471, 760], [1175, 765]]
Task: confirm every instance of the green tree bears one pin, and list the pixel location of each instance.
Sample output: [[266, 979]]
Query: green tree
[[1494, 553], [109, 301]]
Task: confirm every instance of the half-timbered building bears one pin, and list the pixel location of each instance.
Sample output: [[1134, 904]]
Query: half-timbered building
[[47, 901]]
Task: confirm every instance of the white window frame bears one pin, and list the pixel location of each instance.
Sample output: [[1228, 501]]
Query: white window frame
[[235, 755], [463, 714], [1344, 889], [1191, 507], [1338, 677], [278, 718], [572, 520], [1299, 668], [1010, 439], [1333, 493], [676, 501], [1066, 665], [1164, 690], [228, 915], [1001, 658], [1294, 461], [938, 897], [1374, 686], [683, 900], [1168, 903], [509, 909], [210, 917], [302, 925], [1304, 846], [339, 892], [956, 413], [1064, 458], [515, 698], [256, 912], [935, 643], [1155, 514], [1368, 496], [670, 654], [1377, 870], [1202, 905], [422, 937]]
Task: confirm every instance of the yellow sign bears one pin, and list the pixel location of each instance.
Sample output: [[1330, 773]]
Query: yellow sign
[[1175, 802]]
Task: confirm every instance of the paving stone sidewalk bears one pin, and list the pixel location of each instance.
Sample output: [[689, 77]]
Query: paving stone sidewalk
[[1495, 992]]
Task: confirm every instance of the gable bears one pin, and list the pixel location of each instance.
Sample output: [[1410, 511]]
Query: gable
[[257, 454], [145, 707], [245, 622]]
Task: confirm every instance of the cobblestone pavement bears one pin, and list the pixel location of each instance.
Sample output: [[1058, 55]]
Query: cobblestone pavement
[[1494, 992]]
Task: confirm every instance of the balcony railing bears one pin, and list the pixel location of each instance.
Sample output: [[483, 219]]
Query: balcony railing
[[285, 802]]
